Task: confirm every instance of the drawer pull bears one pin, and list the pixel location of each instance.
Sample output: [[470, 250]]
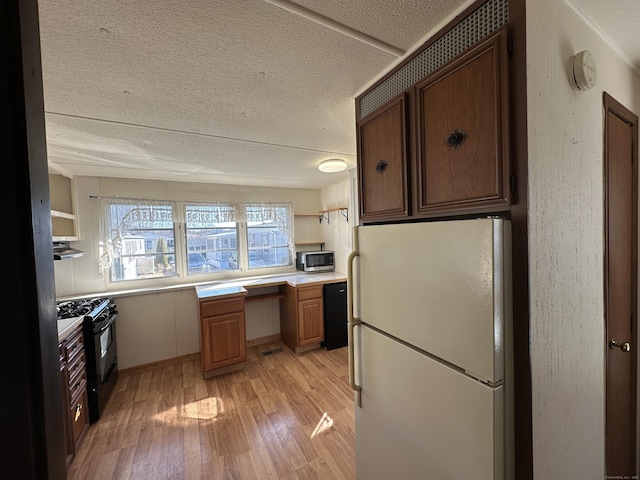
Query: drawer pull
[[77, 415]]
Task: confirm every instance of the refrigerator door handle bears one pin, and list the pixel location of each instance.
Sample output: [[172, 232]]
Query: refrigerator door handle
[[353, 321]]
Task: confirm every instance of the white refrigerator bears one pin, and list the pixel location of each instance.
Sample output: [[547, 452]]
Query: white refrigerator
[[430, 350]]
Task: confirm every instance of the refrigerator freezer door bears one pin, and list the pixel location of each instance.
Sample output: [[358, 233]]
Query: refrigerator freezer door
[[449, 427], [441, 287]]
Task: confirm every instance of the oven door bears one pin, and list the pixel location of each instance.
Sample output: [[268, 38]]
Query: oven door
[[105, 350]]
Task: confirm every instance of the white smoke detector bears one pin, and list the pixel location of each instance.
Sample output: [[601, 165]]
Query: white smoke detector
[[584, 70]]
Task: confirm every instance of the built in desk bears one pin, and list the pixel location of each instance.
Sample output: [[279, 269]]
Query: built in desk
[[221, 308]]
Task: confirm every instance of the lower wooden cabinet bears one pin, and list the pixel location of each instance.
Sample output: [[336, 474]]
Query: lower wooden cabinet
[[302, 317], [78, 417], [73, 375], [222, 334]]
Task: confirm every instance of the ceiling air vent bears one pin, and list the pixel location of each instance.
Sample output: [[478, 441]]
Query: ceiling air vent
[[486, 19]]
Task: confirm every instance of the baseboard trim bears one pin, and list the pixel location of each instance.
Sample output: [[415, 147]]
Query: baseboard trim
[[188, 358], [223, 370], [259, 341], [160, 363], [306, 348]]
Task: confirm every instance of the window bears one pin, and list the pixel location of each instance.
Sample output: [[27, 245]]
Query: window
[[139, 236], [212, 238], [141, 240], [269, 237]]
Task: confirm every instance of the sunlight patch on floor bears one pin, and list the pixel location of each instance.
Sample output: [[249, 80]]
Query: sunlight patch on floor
[[325, 422], [206, 409]]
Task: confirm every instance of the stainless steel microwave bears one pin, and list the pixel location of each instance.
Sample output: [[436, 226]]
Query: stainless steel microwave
[[321, 261]]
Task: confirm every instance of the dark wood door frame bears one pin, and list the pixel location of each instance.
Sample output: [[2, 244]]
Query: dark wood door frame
[[620, 287], [32, 433], [16, 45]]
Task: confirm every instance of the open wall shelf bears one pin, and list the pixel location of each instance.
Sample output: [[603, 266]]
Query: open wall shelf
[[324, 214]]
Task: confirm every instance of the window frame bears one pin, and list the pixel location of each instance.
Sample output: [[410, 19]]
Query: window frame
[[181, 244], [115, 213], [288, 232], [221, 216]]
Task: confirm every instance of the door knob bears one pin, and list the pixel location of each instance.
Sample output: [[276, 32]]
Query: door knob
[[625, 347]]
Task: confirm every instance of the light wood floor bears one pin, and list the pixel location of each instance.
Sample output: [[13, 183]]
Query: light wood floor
[[285, 416]]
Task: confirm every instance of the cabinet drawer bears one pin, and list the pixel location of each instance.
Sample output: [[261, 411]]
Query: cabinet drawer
[[308, 293], [221, 307], [75, 368], [61, 356], [73, 345], [77, 387]]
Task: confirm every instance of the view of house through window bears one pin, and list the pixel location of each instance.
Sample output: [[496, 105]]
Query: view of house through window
[[212, 238], [144, 238], [268, 236]]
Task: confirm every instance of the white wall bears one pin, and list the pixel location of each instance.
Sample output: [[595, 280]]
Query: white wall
[[156, 326], [80, 276], [337, 233], [161, 325], [565, 132]]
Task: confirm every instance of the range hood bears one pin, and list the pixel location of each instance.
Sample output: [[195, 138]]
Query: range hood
[[63, 250]]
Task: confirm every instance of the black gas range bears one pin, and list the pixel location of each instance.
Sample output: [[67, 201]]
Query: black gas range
[[99, 328], [96, 311]]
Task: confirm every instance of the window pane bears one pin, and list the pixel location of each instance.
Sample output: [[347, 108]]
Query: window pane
[[142, 237], [268, 236], [212, 239]]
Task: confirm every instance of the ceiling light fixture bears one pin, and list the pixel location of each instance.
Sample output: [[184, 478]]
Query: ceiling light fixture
[[332, 165]]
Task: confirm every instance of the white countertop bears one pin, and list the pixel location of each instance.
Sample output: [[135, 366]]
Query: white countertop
[[67, 325], [294, 279], [237, 286], [219, 291]]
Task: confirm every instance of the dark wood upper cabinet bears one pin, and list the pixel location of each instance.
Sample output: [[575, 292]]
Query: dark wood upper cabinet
[[441, 147], [382, 163], [462, 144]]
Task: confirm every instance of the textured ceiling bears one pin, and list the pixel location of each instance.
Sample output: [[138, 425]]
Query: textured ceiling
[[253, 92]]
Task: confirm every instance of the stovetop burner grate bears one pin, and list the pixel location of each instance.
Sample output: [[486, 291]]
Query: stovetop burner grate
[[78, 308]]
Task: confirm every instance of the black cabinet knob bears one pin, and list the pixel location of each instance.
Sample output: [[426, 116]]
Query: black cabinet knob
[[381, 166], [456, 138]]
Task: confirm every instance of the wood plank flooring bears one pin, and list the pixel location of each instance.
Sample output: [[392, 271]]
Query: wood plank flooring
[[284, 416]]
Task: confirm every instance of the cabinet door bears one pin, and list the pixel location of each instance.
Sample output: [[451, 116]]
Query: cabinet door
[[462, 128], [224, 341], [79, 418], [310, 321], [382, 163]]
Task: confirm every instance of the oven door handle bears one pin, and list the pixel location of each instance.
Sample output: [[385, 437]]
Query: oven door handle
[[107, 324]]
